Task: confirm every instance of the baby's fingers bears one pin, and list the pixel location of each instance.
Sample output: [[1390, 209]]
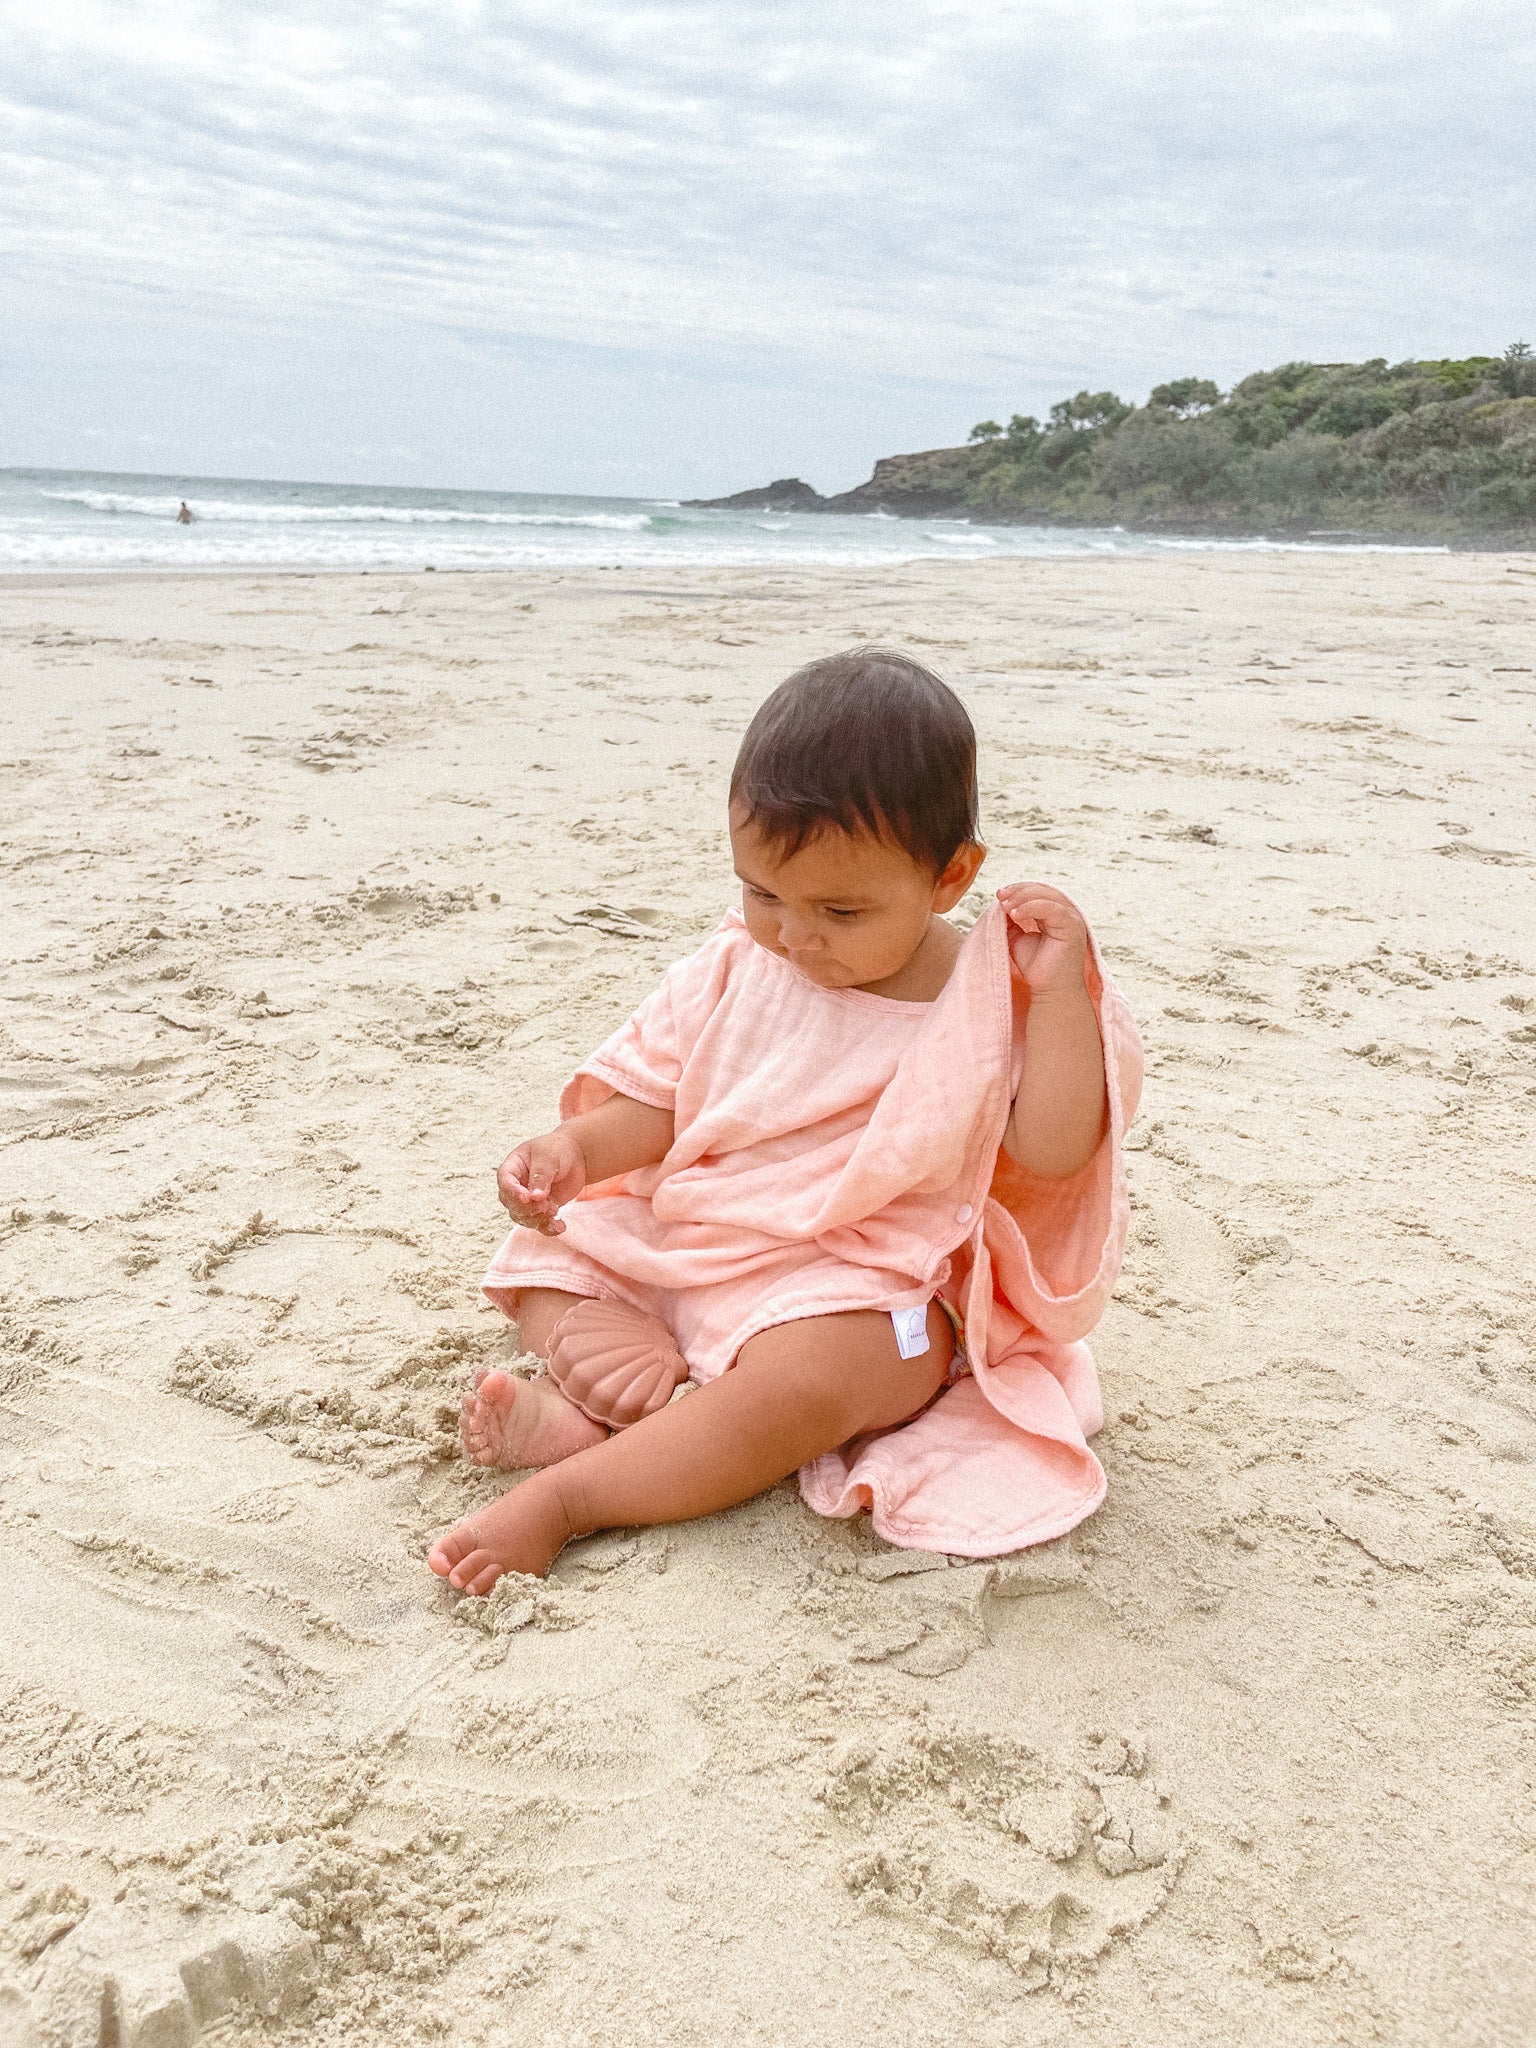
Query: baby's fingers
[[1016, 896], [515, 1177], [1042, 910], [1015, 892], [532, 1212], [1033, 888]]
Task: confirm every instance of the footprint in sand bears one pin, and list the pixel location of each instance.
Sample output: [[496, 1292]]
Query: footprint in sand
[[615, 921], [995, 1847]]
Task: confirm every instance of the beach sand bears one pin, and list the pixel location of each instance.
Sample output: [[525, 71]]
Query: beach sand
[[315, 890]]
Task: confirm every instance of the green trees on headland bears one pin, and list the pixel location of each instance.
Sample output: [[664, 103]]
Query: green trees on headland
[[1184, 397], [1410, 447], [1445, 447], [1442, 450]]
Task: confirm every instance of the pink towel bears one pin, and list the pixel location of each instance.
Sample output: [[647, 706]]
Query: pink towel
[[839, 1150], [1000, 1460]]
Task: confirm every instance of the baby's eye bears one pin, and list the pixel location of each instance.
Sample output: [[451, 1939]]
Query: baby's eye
[[840, 913]]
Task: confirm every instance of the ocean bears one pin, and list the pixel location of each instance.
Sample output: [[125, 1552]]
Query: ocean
[[90, 519]]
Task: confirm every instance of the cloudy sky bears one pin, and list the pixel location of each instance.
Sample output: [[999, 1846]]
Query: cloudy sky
[[617, 246]]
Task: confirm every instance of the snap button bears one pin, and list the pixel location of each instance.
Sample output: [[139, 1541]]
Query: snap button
[[963, 1213]]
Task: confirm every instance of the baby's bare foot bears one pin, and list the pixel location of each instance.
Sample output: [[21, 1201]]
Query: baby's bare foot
[[524, 1531], [516, 1423]]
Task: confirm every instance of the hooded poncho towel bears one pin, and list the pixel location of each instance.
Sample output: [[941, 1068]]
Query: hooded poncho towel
[[837, 1150]]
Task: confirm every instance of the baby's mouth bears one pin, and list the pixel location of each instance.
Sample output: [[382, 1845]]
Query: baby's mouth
[[816, 965]]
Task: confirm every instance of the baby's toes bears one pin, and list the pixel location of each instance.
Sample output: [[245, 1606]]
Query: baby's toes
[[482, 1445], [448, 1550], [472, 1427], [485, 1409], [476, 1573]]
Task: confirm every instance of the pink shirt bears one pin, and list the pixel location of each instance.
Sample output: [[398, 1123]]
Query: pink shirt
[[837, 1149]]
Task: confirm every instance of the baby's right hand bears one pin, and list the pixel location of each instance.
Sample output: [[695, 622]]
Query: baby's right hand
[[540, 1176]]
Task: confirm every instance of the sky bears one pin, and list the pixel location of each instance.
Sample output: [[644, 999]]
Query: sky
[[626, 248]]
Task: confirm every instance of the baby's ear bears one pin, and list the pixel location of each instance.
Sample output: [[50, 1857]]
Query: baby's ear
[[963, 868]]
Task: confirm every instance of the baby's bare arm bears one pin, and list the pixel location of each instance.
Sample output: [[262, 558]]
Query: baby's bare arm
[[1058, 1115], [543, 1173], [622, 1134]]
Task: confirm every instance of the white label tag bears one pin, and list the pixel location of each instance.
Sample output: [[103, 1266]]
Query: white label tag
[[911, 1326]]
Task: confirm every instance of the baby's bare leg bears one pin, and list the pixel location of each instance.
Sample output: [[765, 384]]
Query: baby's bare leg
[[515, 1423], [795, 1392], [538, 1311]]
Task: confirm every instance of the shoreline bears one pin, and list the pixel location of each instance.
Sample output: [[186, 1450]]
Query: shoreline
[[1175, 542]]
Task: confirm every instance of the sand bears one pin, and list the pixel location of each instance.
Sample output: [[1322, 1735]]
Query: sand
[[315, 889]]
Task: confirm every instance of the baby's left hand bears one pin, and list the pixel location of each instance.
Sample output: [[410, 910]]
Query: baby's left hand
[[1049, 940]]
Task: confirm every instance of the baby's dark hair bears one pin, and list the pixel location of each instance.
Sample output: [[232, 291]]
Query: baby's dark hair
[[867, 741]]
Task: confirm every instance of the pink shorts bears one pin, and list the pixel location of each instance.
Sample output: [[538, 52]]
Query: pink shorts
[[713, 1320]]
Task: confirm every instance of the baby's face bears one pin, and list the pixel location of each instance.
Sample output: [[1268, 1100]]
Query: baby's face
[[848, 910]]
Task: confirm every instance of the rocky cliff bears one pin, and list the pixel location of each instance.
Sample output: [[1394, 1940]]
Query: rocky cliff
[[934, 480]]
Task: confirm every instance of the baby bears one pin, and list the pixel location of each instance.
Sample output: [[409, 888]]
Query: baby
[[854, 1175]]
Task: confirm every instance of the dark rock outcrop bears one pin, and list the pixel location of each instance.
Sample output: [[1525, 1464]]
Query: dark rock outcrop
[[789, 494], [933, 481]]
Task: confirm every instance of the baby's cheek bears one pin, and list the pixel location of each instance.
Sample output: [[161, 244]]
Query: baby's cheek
[[762, 927], [874, 952]]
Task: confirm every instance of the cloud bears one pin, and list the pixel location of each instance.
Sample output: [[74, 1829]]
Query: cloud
[[1000, 196]]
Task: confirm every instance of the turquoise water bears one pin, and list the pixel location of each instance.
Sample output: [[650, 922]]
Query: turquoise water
[[89, 519]]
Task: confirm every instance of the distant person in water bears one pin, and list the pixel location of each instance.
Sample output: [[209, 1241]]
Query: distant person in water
[[184, 516]]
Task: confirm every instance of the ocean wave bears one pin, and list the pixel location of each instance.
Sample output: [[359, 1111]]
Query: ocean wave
[[95, 520], [254, 513], [156, 546]]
